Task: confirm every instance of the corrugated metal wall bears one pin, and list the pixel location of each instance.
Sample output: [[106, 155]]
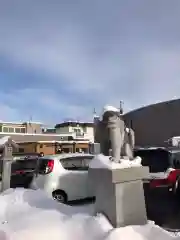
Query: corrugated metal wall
[[155, 123]]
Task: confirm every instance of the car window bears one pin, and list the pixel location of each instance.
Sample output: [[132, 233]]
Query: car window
[[176, 160], [42, 164], [80, 163], [157, 160]]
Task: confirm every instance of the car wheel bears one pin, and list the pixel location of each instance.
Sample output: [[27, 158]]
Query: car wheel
[[60, 196]]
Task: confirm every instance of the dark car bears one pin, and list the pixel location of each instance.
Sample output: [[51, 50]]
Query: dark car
[[23, 169], [162, 186]]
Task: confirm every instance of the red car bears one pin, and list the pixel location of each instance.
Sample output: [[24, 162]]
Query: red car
[[164, 167]]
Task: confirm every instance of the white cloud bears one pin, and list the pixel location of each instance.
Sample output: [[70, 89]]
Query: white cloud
[[107, 50], [7, 113], [40, 104]]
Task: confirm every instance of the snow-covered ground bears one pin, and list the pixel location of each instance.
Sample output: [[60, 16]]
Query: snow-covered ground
[[29, 214]]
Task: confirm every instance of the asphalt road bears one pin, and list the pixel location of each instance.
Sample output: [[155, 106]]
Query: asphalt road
[[163, 208]]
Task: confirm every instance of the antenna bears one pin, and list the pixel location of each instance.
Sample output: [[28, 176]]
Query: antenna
[[121, 107], [94, 111]]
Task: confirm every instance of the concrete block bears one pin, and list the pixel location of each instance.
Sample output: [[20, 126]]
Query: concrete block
[[119, 194]]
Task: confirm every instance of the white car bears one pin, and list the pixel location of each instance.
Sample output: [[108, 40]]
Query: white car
[[64, 176]]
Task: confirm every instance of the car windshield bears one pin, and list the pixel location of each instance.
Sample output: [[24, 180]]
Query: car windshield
[[80, 163], [157, 159]]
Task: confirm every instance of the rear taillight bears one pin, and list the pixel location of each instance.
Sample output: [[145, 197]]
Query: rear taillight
[[172, 177], [170, 180], [49, 167]]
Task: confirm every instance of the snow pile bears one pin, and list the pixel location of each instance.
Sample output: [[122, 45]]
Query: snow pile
[[101, 161], [29, 214]]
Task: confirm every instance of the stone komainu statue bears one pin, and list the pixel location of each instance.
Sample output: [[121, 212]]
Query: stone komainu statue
[[113, 135]]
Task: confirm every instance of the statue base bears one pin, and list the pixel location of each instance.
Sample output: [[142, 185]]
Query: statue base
[[119, 194]]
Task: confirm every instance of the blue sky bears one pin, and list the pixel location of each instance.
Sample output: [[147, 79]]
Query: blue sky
[[61, 58]]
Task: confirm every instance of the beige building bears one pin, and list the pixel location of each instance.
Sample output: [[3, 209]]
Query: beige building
[[31, 138], [18, 127], [80, 130]]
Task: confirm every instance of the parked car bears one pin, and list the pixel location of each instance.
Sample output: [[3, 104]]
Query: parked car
[[22, 169], [164, 167], [64, 176], [162, 186]]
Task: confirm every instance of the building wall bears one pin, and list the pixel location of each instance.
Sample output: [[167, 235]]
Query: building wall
[[28, 147], [90, 134], [20, 127], [63, 130], [12, 128], [79, 131], [33, 128], [46, 148], [155, 124], [50, 148]]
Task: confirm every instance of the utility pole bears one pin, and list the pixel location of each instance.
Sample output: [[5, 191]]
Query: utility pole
[[30, 123], [94, 112]]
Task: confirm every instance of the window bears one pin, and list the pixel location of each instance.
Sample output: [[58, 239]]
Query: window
[[23, 130], [5, 129], [42, 165], [77, 130], [21, 150], [66, 150], [157, 160], [85, 129], [76, 163], [0, 128], [86, 161], [11, 130], [85, 150], [18, 130], [175, 157]]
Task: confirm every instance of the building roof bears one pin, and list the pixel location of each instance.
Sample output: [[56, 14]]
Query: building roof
[[34, 137], [158, 104], [74, 124], [19, 123], [25, 138]]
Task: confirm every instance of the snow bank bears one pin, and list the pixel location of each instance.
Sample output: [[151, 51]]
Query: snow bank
[[29, 214], [101, 161]]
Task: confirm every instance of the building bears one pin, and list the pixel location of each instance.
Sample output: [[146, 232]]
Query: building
[[47, 143], [19, 127], [155, 124], [33, 137], [81, 130]]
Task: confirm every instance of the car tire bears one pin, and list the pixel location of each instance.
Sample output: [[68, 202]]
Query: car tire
[[60, 196]]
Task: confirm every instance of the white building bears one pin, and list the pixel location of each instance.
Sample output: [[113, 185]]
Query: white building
[[81, 130]]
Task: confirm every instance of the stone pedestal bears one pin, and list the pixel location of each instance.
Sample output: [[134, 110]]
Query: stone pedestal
[[119, 194]]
